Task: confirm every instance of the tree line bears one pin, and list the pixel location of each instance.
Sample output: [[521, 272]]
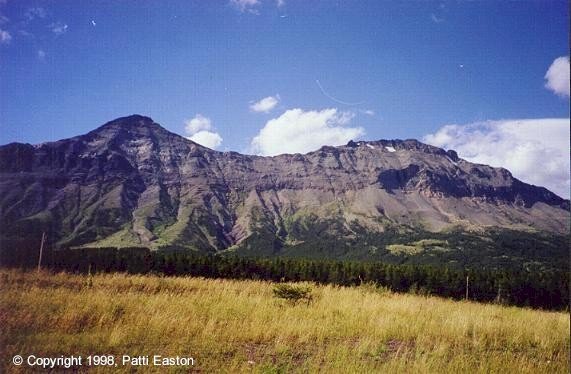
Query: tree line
[[546, 289]]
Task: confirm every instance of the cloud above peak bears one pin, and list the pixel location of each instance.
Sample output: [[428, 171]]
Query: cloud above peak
[[208, 139], [198, 123], [200, 130], [299, 131], [536, 151], [557, 76], [266, 104]]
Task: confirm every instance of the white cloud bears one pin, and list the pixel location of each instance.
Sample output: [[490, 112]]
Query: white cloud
[[58, 28], [266, 104], [198, 123], [298, 131], [5, 37], [41, 55], [280, 3], [557, 76], [33, 13], [369, 112], [199, 131], [536, 151], [207, 138], [246, 5]]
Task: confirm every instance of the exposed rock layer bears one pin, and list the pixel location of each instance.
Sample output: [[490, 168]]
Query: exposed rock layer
[[131, 182]]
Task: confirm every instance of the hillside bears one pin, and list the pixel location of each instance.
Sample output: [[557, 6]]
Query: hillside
[[238, 326], [133, 183]]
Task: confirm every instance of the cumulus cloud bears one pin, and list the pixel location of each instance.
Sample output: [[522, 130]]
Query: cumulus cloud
[[201, 131], [536, 151], [207, 138], [5, 37], [299, 131], [198, 123], [266, 104], [246, 5], [557, 76]]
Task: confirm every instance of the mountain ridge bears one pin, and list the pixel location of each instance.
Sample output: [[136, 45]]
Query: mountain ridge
[[132, 182]]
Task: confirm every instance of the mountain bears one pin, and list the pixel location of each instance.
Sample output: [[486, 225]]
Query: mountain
[[132, 183]]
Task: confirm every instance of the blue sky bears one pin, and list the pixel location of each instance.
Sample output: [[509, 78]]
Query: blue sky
[[382, 69]]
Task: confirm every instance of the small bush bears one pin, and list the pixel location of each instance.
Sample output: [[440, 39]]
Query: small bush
[[293, 293]]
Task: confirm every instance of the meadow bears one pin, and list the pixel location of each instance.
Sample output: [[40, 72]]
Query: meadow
[[240, 326]]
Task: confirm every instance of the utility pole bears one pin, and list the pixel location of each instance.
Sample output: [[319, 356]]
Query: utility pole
[[467, 285], [41, 251]]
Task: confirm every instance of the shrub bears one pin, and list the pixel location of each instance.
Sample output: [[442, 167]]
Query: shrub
[[293, 293]]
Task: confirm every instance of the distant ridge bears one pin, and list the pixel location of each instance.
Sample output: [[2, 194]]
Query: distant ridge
[[131, 182]]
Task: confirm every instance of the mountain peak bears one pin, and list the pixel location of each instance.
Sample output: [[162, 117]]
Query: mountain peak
[[393, 145], [130, 121], [133, 126]]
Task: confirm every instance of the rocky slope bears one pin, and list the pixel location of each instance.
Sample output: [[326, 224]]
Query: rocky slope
[[131, 182]]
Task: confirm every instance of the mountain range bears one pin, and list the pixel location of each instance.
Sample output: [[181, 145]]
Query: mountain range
[[131, 183]]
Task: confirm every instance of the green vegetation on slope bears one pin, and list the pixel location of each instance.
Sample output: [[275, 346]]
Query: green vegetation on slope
[[493, 248]]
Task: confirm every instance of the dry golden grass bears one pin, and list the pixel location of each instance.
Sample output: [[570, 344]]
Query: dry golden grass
[[238, 326]]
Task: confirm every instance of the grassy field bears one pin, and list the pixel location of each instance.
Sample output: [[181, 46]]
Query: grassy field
[[239, 326]]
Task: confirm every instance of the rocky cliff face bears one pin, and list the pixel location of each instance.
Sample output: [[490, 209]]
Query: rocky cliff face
[[131, 182]]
